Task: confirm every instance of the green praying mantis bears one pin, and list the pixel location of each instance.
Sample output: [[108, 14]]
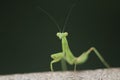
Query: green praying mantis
[[66, 55]]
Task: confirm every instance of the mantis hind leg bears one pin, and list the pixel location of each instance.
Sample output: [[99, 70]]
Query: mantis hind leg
[[84, 56], [56, 58], [99, 56]]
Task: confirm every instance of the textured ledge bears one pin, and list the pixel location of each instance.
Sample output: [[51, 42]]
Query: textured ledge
[[99, 74]]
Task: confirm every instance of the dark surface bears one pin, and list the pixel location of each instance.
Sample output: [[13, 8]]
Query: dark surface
[[28, 36]]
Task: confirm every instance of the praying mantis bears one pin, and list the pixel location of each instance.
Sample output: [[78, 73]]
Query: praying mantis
[[66, 54]]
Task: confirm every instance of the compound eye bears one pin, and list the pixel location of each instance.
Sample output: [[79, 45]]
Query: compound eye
[[57, 34], [66, 34]]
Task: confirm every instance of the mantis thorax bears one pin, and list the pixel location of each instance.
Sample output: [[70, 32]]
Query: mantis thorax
[[62, 34]]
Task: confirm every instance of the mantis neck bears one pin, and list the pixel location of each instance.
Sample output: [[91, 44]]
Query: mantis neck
[[66, 50], [65, 45]]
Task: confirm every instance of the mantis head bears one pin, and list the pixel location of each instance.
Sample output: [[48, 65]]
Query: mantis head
[[61, 35]]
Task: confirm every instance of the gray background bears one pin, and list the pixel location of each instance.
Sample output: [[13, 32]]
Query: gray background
[[28, 36]]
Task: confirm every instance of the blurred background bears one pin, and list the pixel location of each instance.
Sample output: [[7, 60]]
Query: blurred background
[[28, 35]]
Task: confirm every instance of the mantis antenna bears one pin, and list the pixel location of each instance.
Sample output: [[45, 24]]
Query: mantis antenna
[[68, 15], [51, 18], [66, 19]]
